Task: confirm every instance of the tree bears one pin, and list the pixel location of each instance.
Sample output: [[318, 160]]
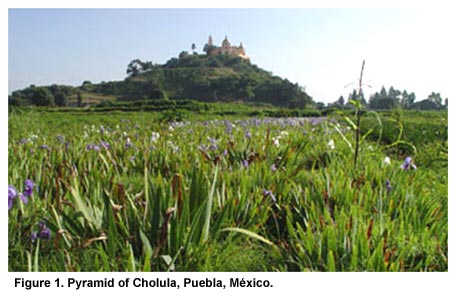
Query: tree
[[407, 99], [183, 54], [425, 104], [61, 99], [383, 92], [340, 101], [41, 96], [436, 99], [135, 67], [79, 99], [193, 48]]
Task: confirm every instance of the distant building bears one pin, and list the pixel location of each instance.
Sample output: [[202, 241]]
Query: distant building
[[225, 49]]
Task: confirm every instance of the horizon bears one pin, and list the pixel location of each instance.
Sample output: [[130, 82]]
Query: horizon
[[320, 49]]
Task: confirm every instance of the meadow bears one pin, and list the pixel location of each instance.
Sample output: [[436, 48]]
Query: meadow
[[137, 191]]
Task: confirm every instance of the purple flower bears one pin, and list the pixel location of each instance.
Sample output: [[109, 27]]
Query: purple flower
[[43, 232], [105, 145], [245, 163], [23, 141], [408, 164], [89, 147], [12, 193], [28, 187], [128, 143], [248, 135], [273, 167], [225, 152], [268, 193], [45, 147], [388, 186]]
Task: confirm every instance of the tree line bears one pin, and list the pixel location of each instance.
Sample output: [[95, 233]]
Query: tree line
[[393, 98]]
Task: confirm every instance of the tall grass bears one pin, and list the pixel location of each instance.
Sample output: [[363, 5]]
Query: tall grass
[[208, 196]]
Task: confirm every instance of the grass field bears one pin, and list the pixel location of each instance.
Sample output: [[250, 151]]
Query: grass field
[[130, 192]]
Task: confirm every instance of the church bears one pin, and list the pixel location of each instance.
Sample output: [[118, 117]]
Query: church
[[225, 49]]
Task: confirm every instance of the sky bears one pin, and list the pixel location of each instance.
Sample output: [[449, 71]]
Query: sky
[[320, 49]]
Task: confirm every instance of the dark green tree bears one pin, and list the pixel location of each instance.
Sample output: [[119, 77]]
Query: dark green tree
[[79, 98], [135, 67], [41, 96], [436, 99]]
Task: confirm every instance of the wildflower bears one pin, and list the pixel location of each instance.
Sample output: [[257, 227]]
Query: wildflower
[[386, 161], [60, 138], [407, 164], [24, 141], [28, 187], [105, 145], [331, 144], [128, 143], [283, 134], [276, 141], [213, 147], [273, 167], [45, 147], [12, 193], [132, 158], [388, 186], [225, 152], [42, 233], [155, 137], [248, 135], [268, 193], [245, 163]]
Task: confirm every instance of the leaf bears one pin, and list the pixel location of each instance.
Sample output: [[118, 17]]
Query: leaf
[[250, 234], [209, 204]]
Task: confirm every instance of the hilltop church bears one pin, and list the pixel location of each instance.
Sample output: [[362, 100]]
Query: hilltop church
[[225, 49]]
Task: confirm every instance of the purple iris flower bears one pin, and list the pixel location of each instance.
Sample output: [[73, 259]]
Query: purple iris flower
[[128, 143], [408, 164], [28, 187], [45, 147], [12, 193], [388, 186], [248, 135], [213, 147], [105, 145], [42, 233], [273, 167], [268, 193], [245, 163]]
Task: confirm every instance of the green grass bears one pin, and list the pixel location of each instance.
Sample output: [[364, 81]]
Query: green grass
[[187, 202]]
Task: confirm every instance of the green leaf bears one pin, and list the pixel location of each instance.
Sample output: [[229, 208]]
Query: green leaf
[[250, 234]]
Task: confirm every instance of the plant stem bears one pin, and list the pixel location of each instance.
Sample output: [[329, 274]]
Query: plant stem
[[357, 113]]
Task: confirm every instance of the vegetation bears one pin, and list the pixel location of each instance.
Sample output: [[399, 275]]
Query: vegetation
[[220, 78], [122, 191]]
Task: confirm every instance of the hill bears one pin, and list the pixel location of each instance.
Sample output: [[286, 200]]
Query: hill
[[208, 78]]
